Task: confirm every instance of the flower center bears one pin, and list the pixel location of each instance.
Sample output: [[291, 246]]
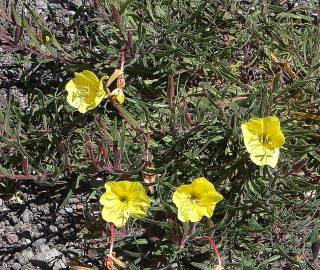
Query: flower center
[[123, 198], [193, 198], [264, 139]]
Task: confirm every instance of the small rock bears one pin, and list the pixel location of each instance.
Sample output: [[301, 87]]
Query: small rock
[[26, 216], [17, 227], [12, 238], [9, 228], [2, 243], [28, 241], [14, 220], [33, 207], [2, 227], [42, 249], [53, 229], [71, 13], [16, 266], [46, 210], [61, 212], [36, 234], [59, 264], [39, 242], [4, 208], [69, 209], [25, 257]]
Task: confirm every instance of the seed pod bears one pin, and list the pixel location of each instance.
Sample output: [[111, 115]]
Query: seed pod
[[130, 43], [115, 15]]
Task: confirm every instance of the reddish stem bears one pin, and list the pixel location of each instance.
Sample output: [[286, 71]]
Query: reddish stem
[[20, 177], [25, 166], [214, 247], [112, 238]]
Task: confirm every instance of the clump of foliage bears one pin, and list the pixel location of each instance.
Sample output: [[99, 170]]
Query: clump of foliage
[[194, 71]]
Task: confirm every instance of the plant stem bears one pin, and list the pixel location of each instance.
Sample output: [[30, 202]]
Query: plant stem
[[112, 238], [214, 247]]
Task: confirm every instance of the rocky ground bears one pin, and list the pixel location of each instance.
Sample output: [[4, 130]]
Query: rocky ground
[[37, 234]]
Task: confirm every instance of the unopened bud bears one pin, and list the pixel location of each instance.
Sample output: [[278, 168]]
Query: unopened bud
[[121, 82]]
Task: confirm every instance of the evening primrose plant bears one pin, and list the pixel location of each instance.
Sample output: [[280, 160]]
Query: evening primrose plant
[[194, 201], [127, 199], [192, 84], [122, 200]]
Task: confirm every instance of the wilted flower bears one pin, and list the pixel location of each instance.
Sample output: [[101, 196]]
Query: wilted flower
[[123, 199], [85, 91], [196, 200], [263, 138], [117, 95]]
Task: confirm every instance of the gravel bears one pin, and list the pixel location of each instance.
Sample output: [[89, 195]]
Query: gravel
[[36, 234]]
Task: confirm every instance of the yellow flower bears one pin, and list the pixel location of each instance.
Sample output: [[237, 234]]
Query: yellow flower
[[123, 199], [85, 91], [263, 138], [117, 95], [196, 200]]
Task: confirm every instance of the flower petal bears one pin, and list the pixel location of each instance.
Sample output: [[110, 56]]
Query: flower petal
[[191, 212], [117, 215], [271, 128], [181, 195], [89, 77], [262, 156]]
